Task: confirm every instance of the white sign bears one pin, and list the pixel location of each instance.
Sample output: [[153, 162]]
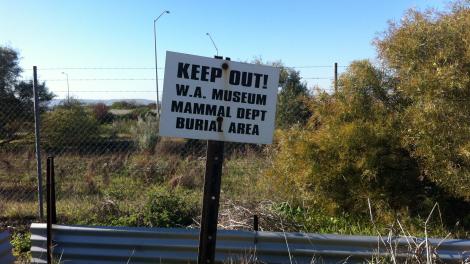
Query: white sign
[[214, 99]]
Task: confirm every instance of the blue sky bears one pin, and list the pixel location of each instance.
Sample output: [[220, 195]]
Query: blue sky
[[110, 34]]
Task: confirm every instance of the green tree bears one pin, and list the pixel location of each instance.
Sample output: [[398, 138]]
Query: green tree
[[292, 99], [9, 70], [16, 98], [429, 53]]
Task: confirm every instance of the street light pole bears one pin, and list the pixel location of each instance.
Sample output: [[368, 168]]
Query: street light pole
[[216, 49], [157, 106], [68, 87]]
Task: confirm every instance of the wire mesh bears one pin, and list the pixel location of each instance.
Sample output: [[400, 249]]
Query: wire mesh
[[18, 181], [111, 166], [109, 162]]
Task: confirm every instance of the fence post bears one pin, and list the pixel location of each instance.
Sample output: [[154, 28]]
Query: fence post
[[52, 194], [51, 206], [37, 125], [255, 223], [48, 220], [336, 77], [256, 228]]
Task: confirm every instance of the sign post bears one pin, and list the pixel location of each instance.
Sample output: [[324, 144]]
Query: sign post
[[210, 201], [217, 100]]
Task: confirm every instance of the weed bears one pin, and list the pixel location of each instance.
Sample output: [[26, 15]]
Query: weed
[[165, 208], [21, 242], [145, 133]]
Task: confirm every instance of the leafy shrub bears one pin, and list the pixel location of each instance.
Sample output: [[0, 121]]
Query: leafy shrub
[[142, 112], [429, 53], [169, 208], [145, 133], [349, 152], [398, 141], [21, 242], [102, 114], [124, 105], [69, 126], [161, 207], [152, 106]]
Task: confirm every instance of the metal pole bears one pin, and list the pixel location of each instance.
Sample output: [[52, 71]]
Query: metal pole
[[51, 206], [156, 67], [49, 211], [157, 106], [68, 90], [37, 125], [216, 49], [210, 201], [68, 87], [52, 194], [336, 77]]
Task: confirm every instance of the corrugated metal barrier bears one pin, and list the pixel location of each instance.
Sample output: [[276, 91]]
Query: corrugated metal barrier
[[5, 249], [76, 244]]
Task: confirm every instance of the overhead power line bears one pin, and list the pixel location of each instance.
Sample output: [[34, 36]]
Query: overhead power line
[[153, 68], [94, 68], [100, 79], [140, 79], [107, 91]]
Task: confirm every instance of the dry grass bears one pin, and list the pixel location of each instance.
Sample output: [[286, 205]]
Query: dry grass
[[111, 184]]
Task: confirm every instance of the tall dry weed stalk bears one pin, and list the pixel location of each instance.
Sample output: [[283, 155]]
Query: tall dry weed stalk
[[416, 252]]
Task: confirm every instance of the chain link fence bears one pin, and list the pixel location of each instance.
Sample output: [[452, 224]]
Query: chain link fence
[[111, 166], [18, 180]]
